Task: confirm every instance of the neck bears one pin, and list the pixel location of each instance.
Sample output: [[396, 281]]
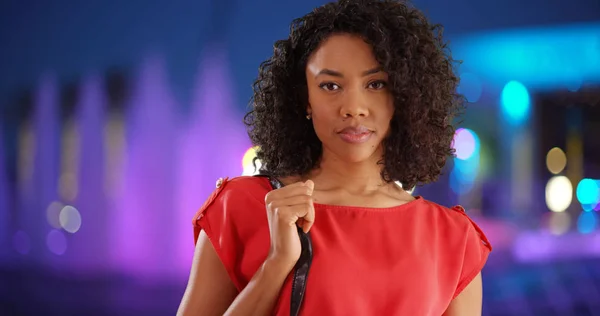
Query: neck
[[355, 177]]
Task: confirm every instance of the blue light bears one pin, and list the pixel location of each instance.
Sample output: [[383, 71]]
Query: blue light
[[470, 86], [515, 102], [460, 183], [586, 223], [588, 192], [466, 164], [544, 57]]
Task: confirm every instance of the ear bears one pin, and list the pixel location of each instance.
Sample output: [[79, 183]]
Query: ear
[[308, 109]]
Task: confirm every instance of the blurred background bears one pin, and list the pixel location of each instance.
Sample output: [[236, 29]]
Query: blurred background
[[117, 118]]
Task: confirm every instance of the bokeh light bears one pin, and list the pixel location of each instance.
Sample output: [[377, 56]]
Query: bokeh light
[[70, 219], [556, 160], [247, 162], [515, 102], [56, 242], [559, 193], [465, 143], [588, 192], [559, 223], [52, 214], [466, 165], [67, 186], [587, 222]]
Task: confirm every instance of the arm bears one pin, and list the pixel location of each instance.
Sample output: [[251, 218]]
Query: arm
[[469, 301], [210, 291]]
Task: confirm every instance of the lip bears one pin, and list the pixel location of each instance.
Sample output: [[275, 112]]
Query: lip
[[355, 134]]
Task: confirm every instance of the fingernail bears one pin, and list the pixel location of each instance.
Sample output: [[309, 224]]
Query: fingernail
[[309, 184]]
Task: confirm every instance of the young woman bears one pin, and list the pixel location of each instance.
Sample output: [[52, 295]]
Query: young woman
[[360, 97]]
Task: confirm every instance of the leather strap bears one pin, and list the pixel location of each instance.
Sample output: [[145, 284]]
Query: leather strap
[[301, 272], [302, 265]]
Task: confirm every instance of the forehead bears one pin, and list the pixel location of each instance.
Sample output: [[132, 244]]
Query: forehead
[[343, 52]]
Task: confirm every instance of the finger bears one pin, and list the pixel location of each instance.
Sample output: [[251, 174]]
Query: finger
[[310, 184], [309, 218], [291, 201], [288, 191], [291, 214]]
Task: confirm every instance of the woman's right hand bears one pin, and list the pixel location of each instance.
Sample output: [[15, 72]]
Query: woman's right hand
[[288, 208]]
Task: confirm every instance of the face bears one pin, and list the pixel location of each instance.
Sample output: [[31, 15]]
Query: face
[[349, 100]]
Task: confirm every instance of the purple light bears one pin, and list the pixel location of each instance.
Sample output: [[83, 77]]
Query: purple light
[[88, 249], [39, 190], [144, 217], [22, 242], [543, 247], [56, 242], [141, 224], [212, 147], [464, 143]]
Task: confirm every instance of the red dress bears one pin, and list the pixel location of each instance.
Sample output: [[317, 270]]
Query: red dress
[[411, 259]]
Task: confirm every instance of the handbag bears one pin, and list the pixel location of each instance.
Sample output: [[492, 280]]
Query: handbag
[[302, 265]]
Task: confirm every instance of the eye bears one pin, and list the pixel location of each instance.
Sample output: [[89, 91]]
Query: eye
[[329, 86], [377, 85]]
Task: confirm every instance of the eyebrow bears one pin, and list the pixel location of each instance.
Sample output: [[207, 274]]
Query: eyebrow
[[334, 73]]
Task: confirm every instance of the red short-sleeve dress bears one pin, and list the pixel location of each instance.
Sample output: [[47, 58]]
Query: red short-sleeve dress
[[411, 259]]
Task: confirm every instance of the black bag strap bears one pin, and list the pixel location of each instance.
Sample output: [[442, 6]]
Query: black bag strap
[[302, 265]]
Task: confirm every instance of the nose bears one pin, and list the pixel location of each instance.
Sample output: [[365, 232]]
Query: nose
[[355, 105]]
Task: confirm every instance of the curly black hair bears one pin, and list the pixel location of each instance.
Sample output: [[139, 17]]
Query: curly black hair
[[422, 80]]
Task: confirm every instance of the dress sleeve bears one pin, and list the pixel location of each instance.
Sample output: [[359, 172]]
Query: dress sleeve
[[222, 219], [475, 253], [203, 217]]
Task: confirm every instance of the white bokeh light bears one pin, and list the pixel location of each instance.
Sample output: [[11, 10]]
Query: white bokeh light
[[559, 193], [70, 219]]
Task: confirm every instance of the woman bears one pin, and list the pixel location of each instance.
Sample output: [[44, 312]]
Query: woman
[[359, 97]]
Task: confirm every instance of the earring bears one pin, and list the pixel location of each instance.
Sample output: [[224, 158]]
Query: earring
[[308, 117]]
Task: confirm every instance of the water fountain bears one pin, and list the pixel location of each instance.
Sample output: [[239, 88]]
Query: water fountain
[[139, 225], [88, 220], [38, 182], [212, 146], [142, 224]]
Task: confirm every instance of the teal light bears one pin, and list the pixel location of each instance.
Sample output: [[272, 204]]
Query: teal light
[[588, 191], [557, 56], [515, 102]]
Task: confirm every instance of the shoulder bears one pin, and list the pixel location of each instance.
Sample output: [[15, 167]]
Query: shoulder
[[463, 248], [236, 190], [454, 223], [233, 200], [248, 184], [454, 216]]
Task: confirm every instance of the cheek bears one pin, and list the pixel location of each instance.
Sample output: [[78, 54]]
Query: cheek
[[324, 107], [322, 124], [385, 108]]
